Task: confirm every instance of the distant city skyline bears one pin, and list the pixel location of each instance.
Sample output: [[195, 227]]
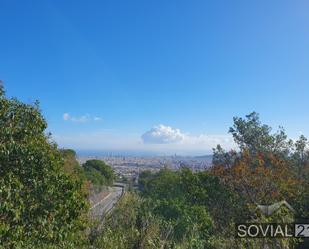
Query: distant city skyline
[[160, 77]]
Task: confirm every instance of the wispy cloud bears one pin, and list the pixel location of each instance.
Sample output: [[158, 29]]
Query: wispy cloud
[[97, 119], [80, 119]]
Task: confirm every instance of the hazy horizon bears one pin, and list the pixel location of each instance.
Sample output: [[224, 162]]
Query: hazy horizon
[[136, 153]]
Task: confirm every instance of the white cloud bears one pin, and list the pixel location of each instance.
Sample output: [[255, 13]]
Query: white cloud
[[172, 138], [80, 119], [162, 134]]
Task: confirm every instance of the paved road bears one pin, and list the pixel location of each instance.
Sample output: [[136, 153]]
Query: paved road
[[106, 204]]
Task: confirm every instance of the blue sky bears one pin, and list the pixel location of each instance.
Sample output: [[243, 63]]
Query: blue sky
[[108, 72]]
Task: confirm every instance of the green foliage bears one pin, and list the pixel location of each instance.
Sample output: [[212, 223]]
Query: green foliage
[[133, 225], [144, 178], [120, 230], [40, 203], [98, 172], [190, 201]]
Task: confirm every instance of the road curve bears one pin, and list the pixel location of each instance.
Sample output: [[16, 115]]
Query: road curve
[[104, 206]]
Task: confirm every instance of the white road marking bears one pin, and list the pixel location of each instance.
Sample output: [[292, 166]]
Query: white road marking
[[98, 203]]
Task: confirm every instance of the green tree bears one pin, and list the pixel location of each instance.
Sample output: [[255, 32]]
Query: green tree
[[250, 134], [71, 165], [40, 203], [98, 172]]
